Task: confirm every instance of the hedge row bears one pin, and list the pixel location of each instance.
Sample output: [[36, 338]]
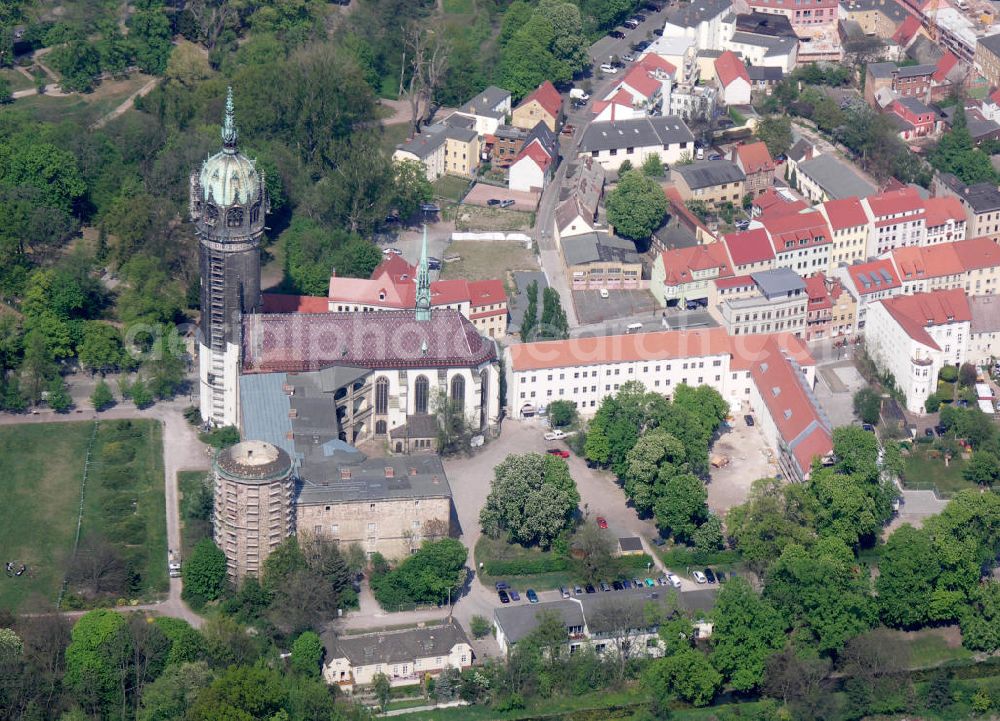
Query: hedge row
[[675, 558], [526, 566], [637, 562]]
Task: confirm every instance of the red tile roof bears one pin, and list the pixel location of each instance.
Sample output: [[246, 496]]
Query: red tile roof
[[679, 263], [810, 227], [744, 351], [801, 425], [919, 311], [730, 68], [282, 303], [749, 246], [298, 342], [995, 96], [754, 158], [976, 253], [771, 203], [537, 153], [640, 80], [868, 277], [622, 97], [933, 261], [734, 282], [845, 213], [654, 62], [396, 268], [548, 97], [940, 210], [894, 202], [944, 66], [906, 30], [486, 292]]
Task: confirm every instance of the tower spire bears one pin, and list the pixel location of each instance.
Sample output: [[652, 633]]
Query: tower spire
[[423, 284], [229, 133]]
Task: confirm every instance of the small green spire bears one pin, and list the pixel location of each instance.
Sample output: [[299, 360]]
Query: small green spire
[[229, 124], [423, 284]]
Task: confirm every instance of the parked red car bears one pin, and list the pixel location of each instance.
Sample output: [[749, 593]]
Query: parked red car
[[602, 522], [558, 452]]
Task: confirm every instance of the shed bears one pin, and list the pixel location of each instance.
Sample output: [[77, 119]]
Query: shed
[[631, 546]]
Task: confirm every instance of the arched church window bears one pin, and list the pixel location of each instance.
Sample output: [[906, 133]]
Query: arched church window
[[458, 393], [421, 391], [211, 214], [234, 217], [382, 396], [254, 213]]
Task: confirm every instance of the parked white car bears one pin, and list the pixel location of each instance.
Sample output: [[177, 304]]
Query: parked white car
[[699, 577], [604, 293], [556, 435], [609, 69], [674, 580], [578, 94]]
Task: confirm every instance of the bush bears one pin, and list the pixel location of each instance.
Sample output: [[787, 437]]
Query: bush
[[221, 437], [933, 403], [684, 556], [640, 562], [967, 375], [480, 626], [948, 374], [562, 413], [867, 404]]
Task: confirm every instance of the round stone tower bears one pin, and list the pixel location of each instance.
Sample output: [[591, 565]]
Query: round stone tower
[[254, 509], [228, 205]]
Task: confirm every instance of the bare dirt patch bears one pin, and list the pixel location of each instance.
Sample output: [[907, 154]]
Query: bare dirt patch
[[483, 259]]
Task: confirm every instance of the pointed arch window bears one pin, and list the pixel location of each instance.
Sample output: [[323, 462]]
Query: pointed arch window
[[382, 396], [421, 392], [458, 393]]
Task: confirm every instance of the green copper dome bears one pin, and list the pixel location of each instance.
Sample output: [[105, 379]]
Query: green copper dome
[[229, 177]]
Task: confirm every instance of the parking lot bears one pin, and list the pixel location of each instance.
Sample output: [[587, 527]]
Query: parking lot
[[482, 193], [836, 385], [592, 308], [749, 459]]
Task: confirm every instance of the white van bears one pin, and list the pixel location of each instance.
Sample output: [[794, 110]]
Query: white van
[[633, 328], [699, 154]]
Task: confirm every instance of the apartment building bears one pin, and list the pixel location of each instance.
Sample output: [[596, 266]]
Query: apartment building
[[779, 306], [801, 241], [869, 283], [971, 265], [714, 183], [848, 230], [685, 275], [896, 219], [981, 202], [612, 143], [750, 251]]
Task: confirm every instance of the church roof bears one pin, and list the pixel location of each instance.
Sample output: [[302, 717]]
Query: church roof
[[296, 342], [229, 177]]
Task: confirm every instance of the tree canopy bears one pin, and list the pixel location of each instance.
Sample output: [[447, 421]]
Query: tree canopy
[[636, 206]]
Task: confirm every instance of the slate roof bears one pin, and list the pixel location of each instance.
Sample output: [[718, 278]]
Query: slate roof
[[915, 71], [433, 137], [598, 246], [689, 15], [484, 103], [764, 24], [981, 197], [775, 45], [709, 173], [914, 106], [991, 43], [518, 622], [778, 282], [836, 178], [881, 70], [798, 151], [377, 339], [766, 73], [391, 647], [638, 133], [304, 424]]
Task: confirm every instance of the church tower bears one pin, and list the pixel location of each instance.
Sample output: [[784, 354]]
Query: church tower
[[423, 284], [228, 204]]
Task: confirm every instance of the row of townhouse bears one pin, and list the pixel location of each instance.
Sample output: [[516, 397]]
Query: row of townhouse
[[770, 374]]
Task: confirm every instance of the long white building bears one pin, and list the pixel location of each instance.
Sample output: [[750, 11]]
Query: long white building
[[772, 375]]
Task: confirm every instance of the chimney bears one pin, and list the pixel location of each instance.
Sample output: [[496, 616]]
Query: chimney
[[345, 474], [293, 412], [389, 472]]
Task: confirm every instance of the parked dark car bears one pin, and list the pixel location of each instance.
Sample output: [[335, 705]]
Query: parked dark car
[[868, 427], [617, 585], [929, 432], [493, 202], [502, 585], [617, 34], [504, 598], [640, 17], [658, 32], [590, 589], [640, 46], [720, 576], [514, 595], [532, 596], [710, 575], [605, 586], [940, 430], [749, 419]]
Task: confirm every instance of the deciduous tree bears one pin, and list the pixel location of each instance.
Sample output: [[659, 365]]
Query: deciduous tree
[[637, 206], [747, 631]]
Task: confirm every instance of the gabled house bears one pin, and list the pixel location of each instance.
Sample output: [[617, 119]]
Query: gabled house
[[868, 283], [406, 657], [913, 118], [645, 83], [763, 78], [801, 241], [756, 163], [685, 275], [488, 110], [733, 79], [576, 213], [750, 251], [535, 164], [714, 182], [543, 105], [611, 143], [443, 149]]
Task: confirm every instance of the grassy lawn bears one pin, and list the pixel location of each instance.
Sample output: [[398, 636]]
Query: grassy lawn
[[477, 218], [40, 492], [82, 109], [613, 702], [16, 79], [930, 647], [125, 497], [393, 135], [450, 187], [482, 260], [922, 471], [459, 7], [193, 528]]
